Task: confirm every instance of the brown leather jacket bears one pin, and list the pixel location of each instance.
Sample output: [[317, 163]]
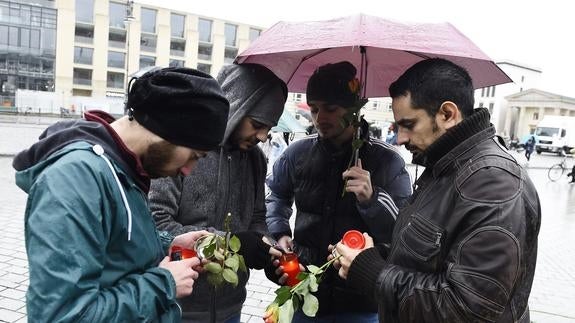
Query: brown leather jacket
[[465, 248]]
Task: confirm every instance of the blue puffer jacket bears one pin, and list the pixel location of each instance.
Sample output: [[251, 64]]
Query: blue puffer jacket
[[310, 172]]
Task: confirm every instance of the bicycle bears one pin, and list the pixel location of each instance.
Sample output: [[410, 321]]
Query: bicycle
[[556, 171]]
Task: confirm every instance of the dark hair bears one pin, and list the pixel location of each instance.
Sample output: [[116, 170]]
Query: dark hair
[[434, 81]]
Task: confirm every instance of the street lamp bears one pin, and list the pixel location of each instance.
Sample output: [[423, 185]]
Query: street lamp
[[127, 21]]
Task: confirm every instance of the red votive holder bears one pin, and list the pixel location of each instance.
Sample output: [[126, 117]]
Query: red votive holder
[[290, 263], [353, 239], [179, 253]]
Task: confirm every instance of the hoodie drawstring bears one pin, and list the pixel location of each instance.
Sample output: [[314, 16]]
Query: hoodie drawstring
[[99, 150]]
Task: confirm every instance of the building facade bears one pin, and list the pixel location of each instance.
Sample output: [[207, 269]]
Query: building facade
[[27, 47], [494, 97], [527, 108]]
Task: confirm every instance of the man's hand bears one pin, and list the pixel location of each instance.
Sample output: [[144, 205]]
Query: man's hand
[[188, 239], [358, 182], [347, 255], [286, 243], [183, 273]]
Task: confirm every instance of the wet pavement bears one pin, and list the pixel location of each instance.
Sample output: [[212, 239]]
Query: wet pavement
[[552, 296]]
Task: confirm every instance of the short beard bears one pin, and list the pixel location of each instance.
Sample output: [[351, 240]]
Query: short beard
[[156, 158]]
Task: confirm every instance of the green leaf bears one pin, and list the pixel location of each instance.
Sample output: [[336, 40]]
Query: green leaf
[[296, 300], [219, 255], [215, 279], [213, 267], [208, 251], [302, 288], [235, 244], [286, 312], [282, 295], [302, 275], [313, 285], [230, 276], [242, 263], [356, 144], [310, 305], [314, 269], [232, 262]]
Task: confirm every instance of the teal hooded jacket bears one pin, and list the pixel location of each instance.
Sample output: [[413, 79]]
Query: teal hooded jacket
[[92, 253]]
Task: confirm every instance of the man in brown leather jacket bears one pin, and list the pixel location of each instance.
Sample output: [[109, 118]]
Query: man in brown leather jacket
[[465, 248]]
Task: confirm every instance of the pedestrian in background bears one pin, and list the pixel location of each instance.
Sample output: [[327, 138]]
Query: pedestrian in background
[[93, 250], [465, 248], [529, 146]]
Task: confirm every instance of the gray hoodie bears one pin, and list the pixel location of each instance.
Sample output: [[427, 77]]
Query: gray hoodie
[[224, 181]]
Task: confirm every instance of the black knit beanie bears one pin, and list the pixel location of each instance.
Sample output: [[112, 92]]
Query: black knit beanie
[[183, 106], [334, 83]]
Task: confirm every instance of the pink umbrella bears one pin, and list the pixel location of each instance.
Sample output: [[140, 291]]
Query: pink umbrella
[[293, 50]]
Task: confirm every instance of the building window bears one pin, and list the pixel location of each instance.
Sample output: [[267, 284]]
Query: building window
[[297, 97], [230, 54], [204, 68], [522, 78], [83, 34], [117, 38], [117, 14], [177, 25], [85, 11], [148, 42], [493, 91], [115, 80], [176, 63], [177, 47], [491, 108], [535, 115], [205, 30], [148, 20], [230, 32], [146, 61], [116, 59], [254, 33], [81, 92], [482, 92], [82, 76], [13, 39], [205, 51], [83, 55]]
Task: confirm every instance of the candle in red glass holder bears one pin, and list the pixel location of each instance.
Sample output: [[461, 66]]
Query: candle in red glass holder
[[179, 253], [290, 264], [353, 239]]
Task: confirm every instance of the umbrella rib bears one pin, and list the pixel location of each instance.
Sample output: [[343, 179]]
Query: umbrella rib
[[418, 54], [303, 60]]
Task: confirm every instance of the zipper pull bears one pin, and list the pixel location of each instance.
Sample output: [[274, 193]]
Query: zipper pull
[[438, 239]]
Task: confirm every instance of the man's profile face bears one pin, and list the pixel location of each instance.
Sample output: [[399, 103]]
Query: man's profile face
[[249, 133], [415, 128], [327, 118], [165, 159]]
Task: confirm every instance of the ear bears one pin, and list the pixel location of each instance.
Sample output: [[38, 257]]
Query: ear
[[448, 115]]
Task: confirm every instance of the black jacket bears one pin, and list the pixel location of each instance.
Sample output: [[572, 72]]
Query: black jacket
[[465, 248]]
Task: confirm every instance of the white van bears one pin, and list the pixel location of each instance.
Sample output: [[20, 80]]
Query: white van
[[554, 133]]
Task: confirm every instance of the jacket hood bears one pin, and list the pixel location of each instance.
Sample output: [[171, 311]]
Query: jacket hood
[[249, 87], [30, 162]]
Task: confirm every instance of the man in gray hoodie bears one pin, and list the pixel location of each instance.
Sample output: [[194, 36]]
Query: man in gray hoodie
[[229, 180]]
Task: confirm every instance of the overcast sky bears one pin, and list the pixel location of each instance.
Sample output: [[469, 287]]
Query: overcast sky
[[539, 34]]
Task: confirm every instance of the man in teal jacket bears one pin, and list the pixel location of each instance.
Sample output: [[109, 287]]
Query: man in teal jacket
[[93, 250]]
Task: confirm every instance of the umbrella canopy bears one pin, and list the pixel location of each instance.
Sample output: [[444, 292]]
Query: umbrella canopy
[[288, 123], [294, 50]]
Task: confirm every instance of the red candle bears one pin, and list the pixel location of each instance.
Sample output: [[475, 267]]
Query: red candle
[[353, 239], [179, 253], [290, 264]]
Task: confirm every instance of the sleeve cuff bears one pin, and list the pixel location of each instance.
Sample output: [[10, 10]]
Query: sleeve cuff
[[364, 271]]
